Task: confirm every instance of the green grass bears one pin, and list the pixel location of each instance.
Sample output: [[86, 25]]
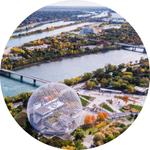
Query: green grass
[[136, 107], [129, 118], [90, 130], [107, 108], [86, 97], [122, 110], [84, 102]]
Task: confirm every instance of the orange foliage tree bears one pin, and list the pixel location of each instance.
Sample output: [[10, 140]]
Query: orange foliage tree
[[93, 118], [87, 119], [102, 116], [105, 114], [125, 99]]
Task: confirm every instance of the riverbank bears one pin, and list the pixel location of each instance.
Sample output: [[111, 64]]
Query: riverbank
[[45, 30], [31, 26], [61, 58]]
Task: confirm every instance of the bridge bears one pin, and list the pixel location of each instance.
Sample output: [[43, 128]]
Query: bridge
[[131, 46], [23, 75]]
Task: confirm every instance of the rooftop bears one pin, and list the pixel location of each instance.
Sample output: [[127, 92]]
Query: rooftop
[[43, 110]]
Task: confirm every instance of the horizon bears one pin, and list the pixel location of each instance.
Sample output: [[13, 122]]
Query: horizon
[[79, 3]]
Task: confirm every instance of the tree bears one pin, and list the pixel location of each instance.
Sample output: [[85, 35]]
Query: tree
[[68, 147], [103, 82], [101, 125], [125, 99], [87, 119], [109, 138], [96, 138], [130, 89], [100, 116], [105, 114], [98, 143], [79, 145], [90, 85], [93, 119], [79, 134]]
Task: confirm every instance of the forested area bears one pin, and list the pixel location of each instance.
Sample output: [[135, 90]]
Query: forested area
[[126, 34], [57, 48], [113, 76], [43, 15]]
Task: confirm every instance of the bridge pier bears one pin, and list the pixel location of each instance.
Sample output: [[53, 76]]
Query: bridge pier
[[9, 75], [133, 48], [21, 78], [144, 51], [34, 81]]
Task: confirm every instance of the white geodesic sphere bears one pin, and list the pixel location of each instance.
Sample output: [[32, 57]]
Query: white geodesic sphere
[[54, 109]]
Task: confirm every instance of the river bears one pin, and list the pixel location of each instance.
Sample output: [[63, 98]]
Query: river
[[65, 69], [44, 26], [26, 39]]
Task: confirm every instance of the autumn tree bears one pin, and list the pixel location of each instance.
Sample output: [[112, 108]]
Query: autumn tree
[[101, 125], [90, 85], [87, 119], [97, 137], [100, 116], [93, 119], [125, 99], [105, 114], [68, 147]]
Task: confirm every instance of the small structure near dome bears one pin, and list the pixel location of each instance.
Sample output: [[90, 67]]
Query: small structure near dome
[[89, 30]]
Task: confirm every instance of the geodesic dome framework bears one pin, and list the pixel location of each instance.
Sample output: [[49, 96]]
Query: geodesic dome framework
[[55, 109]]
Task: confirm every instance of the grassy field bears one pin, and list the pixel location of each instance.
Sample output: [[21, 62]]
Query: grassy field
[[107, 108], [91, 131], [122, 110], [136, 107], [86, 97], [84, 102], [21, 118]]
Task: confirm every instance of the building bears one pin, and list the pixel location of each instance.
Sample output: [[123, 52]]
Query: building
[[141, 90], [54, 109], [89, 30]]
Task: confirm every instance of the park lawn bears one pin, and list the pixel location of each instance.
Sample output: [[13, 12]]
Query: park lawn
[[21, 118], [136, 107], [130, 118], [84, 102], [92, 131], [122, 110], [86, 97], [107, 108]]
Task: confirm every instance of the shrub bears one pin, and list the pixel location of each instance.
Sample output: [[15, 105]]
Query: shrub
[[97, 138], [103, 136], [98, 143], [79, 134], [109, 138]]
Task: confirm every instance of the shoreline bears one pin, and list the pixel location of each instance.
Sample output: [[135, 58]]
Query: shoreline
[[58, 59], [44, 30]]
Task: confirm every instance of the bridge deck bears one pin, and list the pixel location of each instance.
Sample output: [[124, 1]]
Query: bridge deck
[[129, 45], [24, 75]]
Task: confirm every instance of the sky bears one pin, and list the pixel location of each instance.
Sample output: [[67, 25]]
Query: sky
[[75, 3]]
